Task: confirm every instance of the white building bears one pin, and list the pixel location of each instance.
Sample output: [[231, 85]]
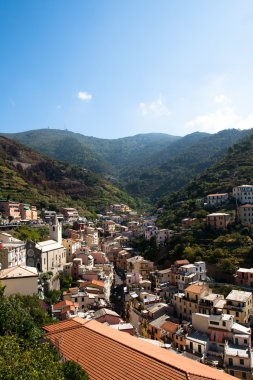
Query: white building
[[150, 231], [163, 235], [214, 200], [243, 194], [49, 255], [201, 270], [12, 251]]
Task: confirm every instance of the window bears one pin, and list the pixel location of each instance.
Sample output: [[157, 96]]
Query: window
[[214, 323], [241, 361], [244, 376], [230, 361]]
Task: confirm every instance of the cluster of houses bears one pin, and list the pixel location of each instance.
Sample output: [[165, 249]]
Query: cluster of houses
[[243, 196], [177, 308], [16, 211], [173, 307]]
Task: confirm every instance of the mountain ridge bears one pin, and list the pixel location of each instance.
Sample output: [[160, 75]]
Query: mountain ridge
[[148, 166]]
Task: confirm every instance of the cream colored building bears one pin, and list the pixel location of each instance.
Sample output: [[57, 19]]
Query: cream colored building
[[91, 236], [245, 213], [19, 279], [139, 265], [218, 220], [187, 303], [239, 304]]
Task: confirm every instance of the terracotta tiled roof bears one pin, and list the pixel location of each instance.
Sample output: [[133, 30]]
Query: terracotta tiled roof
[[97, 283], [169, 326], [181, 262], [195, 288], [62, 304], [108, 354]]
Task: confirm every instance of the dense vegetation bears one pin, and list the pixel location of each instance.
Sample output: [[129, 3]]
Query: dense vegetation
[[98, 155], [174, 167], [23, 354], [26, 176]]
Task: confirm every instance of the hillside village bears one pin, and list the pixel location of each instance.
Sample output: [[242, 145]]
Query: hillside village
[[95, 272]]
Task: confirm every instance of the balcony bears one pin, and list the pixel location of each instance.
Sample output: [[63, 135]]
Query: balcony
[[232, 307]]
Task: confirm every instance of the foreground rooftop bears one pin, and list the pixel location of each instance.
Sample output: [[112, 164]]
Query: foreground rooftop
[[108, 354]]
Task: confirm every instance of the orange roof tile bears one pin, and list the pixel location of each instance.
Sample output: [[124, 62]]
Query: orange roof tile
[[181, 262], [97, 283], [195, 288], [169, 326], [62, 304], [108, 354]]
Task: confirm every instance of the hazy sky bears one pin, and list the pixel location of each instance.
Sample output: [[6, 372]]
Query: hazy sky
[[117, 68]]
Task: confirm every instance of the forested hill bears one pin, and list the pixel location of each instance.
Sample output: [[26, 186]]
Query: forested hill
[[104, 156], [189, 157], [28, 176], [236, 168], [146, 166]]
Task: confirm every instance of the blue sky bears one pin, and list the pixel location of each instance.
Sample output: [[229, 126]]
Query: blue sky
[[117, 68]]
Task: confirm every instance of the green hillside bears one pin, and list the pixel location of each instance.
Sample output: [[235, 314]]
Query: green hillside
[[99, 155], [28, 176], [234, 169], [147, 166], [183, 160]]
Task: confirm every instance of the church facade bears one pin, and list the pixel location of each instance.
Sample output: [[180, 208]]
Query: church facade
[[49, 255]]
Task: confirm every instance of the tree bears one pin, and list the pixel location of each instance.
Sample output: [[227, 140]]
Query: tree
[[20, 359], [22, 316], [73, 371]]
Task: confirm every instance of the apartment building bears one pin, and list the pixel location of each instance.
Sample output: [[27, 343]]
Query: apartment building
[[244, 277], [245, 213], [10, 210], [163, 235], [139, 265], [72, 246], [214, 200], [189, 273], [188, 302], [243, 194], [12, 251], [28, 212], [239, 305], [218, 220], [69, 214]]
